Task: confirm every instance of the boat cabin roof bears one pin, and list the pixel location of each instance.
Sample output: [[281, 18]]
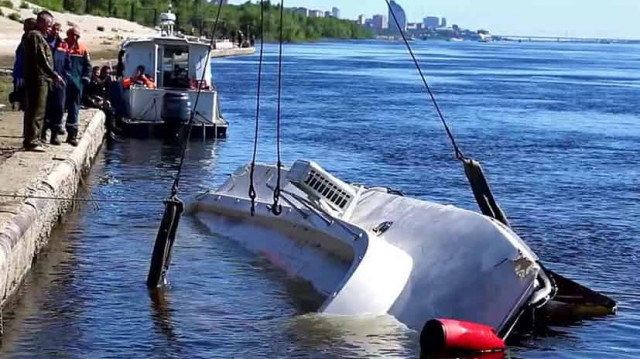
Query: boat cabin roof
[[170, 61], [165, 40]]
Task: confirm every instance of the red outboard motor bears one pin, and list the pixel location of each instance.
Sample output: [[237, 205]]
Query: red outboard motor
[[443, 336]]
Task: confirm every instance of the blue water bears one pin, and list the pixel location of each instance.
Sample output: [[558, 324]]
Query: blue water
[[554, 125]]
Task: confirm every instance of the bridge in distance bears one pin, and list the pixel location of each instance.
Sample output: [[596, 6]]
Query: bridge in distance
[[564, 39]]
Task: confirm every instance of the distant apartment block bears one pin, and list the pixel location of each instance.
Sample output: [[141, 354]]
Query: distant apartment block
[[379, 23], [362, 20], [414, 26], [316, 13], [443, 22], [335, 12], [431, 22], [302, 11]]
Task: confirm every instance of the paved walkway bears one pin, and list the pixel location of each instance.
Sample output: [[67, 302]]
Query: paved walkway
[[19, 168]]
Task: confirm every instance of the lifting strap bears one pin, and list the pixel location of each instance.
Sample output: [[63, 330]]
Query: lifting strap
[[161, 257], [482, 191]]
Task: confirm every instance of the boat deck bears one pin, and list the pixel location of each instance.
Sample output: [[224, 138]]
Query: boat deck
[[145, 129]]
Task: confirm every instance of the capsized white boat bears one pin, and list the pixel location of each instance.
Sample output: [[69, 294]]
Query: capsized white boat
[[373, 251]]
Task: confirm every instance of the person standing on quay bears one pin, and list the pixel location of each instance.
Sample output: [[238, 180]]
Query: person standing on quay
[[18, 72], [79, 76], [57, 92], [38, 73]]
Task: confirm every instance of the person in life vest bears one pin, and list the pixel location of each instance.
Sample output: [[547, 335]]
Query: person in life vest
[[139, 79], [79, 76]]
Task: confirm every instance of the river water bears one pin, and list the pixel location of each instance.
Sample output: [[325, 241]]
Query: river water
[[555, 126]]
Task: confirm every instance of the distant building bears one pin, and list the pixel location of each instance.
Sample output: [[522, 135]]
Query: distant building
[[368, 23], [362, 20], [379, 23], [316, 13], [335, 12], [400, 15], [431, 22], [328, 14], [412, 26], [443, 22], [302, 11]]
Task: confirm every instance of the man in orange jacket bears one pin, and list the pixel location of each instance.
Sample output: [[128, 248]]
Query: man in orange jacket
[[79, 76]]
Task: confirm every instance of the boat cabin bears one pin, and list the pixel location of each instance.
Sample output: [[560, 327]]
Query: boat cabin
[[175, 65]]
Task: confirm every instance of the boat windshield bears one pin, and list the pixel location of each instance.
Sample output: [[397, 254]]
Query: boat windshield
[[175, 67]]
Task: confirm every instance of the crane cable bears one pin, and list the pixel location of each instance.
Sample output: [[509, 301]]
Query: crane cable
[[459, 155], [276, 208], [185, 144], [473, 170], [252, 189]]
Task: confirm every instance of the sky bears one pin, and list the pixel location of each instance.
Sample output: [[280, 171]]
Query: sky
[[574, 18]]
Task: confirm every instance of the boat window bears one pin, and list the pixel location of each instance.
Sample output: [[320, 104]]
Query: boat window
[[175, 67]]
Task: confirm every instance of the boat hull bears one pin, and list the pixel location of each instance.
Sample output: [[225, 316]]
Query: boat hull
[[413, 259]]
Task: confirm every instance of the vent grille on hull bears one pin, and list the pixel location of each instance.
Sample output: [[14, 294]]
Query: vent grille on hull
[[317, 183], [327, 190]]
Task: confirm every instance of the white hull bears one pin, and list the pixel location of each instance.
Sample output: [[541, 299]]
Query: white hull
[[432, 261]]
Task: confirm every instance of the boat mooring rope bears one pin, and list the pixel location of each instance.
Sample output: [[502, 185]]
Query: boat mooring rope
[[252, 189], [459, 154], [276, 208]]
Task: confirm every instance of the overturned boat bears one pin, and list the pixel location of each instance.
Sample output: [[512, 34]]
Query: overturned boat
[[374, 251]]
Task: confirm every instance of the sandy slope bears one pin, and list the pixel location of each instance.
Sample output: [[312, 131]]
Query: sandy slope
[[99, 43]]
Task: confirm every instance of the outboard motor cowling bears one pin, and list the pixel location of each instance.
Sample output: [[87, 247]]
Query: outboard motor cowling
[[176, 107]]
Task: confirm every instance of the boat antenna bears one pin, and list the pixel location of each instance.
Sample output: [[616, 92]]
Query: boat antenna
[[276, 209], [459, 154], [161, 257], [252, 189], [472, 169]]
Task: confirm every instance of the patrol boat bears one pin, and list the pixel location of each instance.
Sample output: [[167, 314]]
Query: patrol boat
[[177, 84], [373, 251]]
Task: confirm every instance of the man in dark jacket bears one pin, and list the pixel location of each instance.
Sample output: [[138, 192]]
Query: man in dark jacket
[[38, 74], [79, 76], [18, 72], [57, 92]]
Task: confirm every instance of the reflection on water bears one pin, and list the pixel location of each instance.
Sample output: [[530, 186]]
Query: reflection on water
[[551, 122]]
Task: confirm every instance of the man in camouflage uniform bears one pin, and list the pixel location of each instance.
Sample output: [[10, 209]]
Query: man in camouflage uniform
[[38, 74]]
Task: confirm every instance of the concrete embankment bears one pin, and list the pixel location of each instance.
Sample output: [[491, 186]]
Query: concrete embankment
[[25, 224], [236, 51]]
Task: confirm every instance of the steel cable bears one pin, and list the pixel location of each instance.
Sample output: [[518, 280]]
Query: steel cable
[[459, 154], [276, 208], [252, 189], [185, 145]]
